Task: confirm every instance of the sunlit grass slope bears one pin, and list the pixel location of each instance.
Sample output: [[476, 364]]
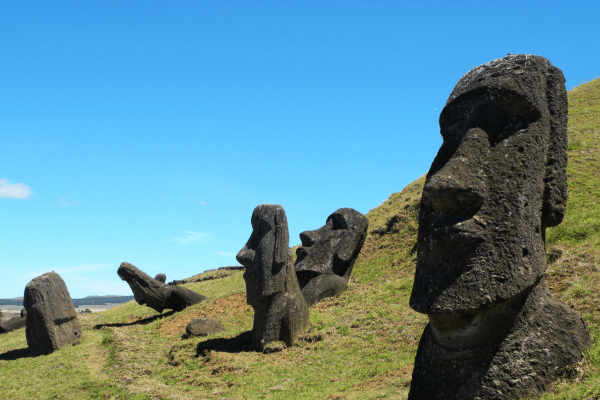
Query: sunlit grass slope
[[363, 342]]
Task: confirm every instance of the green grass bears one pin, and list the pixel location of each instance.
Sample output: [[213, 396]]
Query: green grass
[[363, 342]]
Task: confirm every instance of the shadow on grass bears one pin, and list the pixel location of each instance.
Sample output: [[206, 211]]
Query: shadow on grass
[[138, 322], [237, 344], [15, 354]]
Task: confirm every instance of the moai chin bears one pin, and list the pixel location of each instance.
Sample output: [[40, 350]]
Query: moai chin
[[327, 255], [280, 311], [498, 181]]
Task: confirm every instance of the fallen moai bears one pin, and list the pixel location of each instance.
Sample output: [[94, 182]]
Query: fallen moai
[[325, 259], [12, 324], [498, 181], [280, 311], [51, 321], [156, 294]]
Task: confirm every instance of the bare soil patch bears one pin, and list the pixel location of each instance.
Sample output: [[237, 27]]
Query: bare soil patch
[[231, 305]]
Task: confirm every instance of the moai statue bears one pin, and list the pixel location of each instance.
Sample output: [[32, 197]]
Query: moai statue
[[280, 311], [50, 321], [154, 293], [498, 181], [327, 255]]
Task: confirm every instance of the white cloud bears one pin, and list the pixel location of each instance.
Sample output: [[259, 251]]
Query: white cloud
[[225, 254], [14, 190], [65, 203], [192, 237]]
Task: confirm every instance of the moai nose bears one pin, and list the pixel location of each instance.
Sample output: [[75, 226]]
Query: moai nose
[[308, 238], [245, 256], [459, 186]]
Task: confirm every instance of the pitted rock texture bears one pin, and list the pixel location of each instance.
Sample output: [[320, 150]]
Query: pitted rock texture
[[280, 311], [545, 337], [161, 277], [51, 321], [325, 259], [498, 181], [156, 294], [203, 327]]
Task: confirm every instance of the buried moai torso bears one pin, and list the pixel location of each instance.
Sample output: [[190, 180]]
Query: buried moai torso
[[280, 311], [496, 184], [50, 319], [327, 255]]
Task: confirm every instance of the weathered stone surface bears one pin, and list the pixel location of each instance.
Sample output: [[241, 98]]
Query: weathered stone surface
[[155, 294], [12, 324], [161, 277], [496, 184], [23, 312], [203, 327], [325, 260], [280, 311], [51, 320]]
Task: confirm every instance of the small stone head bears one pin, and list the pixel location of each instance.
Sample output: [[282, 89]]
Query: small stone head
[[497, 182], [266, 253], [333, 248]]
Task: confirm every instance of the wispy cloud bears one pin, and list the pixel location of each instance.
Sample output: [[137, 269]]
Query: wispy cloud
[[14, 190], [225, 253], [192, 237], [84, 286], [76, 270], [65, 203]]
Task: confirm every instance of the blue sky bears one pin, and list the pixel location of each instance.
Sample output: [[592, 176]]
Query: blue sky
[[147, 131]]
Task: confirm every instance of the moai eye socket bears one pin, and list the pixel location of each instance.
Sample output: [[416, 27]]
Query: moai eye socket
[[500, 113], [337, 221]]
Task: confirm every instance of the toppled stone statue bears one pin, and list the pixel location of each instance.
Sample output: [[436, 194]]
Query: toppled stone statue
[[156, 294], [325, 260], [280, 311], [12, 324], [498, 181], [203, 327], [51, 321], [161, 277]]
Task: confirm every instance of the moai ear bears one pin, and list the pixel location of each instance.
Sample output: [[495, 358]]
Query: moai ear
[[555, 181], [282, 238]]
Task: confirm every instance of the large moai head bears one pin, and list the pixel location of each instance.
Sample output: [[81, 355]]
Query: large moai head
[[266, 253], [497, 182], [327, 254]]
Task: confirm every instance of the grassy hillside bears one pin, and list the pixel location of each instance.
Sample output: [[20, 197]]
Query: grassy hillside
[[364, 341]]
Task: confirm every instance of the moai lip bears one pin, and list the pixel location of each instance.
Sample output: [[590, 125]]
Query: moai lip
[[498, 181], [324, 261], [280, 311]]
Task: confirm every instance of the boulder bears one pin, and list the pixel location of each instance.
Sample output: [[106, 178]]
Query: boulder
[[161, 277], [203, 327], [51, 320]]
